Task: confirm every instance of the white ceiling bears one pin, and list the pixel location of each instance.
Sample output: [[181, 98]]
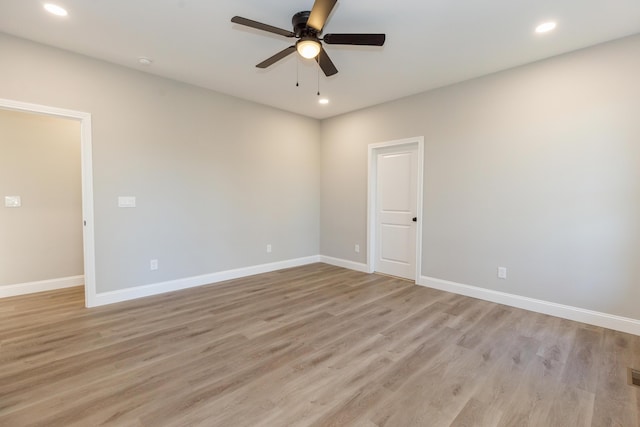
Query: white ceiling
[[430, 43]]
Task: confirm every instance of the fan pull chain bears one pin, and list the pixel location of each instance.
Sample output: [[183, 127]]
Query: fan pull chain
[[297, 72], [318, 79]]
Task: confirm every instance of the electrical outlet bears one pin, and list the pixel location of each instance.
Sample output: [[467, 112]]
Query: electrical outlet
[[502, 272], [126, 201], [357, 248], [12, 202], [153, 264], [269, 248]]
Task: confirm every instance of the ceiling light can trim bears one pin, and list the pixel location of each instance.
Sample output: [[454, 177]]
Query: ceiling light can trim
[[54, 9], [545, 27]]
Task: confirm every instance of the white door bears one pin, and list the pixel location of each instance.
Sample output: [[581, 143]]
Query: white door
[[396, 210]]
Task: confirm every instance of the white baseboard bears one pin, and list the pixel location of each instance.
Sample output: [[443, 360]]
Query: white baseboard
[[619, 323], [610, 321], [111, 297], [40, 286], [351, 265]]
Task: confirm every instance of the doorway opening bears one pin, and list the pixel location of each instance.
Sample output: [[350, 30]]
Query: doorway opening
[[88, 243], [394, 215]]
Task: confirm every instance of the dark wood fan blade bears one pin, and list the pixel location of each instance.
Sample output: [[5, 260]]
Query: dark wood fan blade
[[325, 63], [355, 39], [277, 57], [260, 26], [319, 13]]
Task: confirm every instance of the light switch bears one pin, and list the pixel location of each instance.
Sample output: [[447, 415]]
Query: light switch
[[126, 202], [12, 202]]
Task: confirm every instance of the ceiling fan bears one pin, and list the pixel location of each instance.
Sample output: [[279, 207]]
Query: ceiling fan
[[307, 27]]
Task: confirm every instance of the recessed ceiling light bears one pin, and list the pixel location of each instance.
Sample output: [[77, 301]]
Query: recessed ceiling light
[[323, 101], [545, 27], [55, 9], [143, 60]]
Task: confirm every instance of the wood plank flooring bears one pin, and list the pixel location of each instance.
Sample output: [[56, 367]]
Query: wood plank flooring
[[310, 346]]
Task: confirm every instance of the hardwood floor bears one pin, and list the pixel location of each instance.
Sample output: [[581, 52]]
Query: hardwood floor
[[309, 346]]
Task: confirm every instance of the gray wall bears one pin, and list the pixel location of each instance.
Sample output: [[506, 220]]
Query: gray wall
[[536, 169], [216, 178], [40, 162]]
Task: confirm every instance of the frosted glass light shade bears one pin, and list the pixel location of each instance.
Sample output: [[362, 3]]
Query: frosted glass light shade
[[308, 48]]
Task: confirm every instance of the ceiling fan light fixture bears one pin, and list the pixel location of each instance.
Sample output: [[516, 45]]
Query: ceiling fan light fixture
[[308, 48], [307, 26]]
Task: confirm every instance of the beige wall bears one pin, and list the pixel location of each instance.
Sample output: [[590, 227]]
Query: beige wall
[[536, 169], [216, 178], [40, 162]]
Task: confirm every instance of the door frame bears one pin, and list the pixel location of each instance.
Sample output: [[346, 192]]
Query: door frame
[[88, 231], [372, 190]]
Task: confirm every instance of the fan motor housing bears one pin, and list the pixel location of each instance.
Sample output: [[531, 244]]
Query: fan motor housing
[[300, 27]]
